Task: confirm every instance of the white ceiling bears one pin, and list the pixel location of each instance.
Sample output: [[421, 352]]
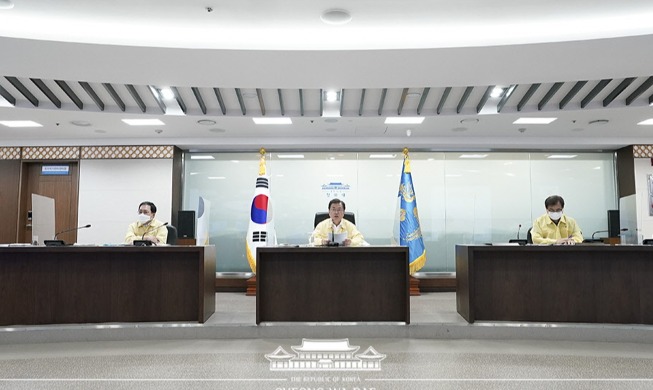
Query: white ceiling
[[282, 48]]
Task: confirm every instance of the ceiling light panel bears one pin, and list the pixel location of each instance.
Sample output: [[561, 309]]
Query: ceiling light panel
[[143, 122], [407, 120], [533, 121], [647, 122], [272, 121], [20, 124]]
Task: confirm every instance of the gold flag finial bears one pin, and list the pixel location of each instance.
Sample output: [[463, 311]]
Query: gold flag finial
[[406, 161], [261, 164]]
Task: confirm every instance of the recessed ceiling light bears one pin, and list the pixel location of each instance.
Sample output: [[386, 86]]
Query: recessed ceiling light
[[167, 94], [272, 121], [206, 122], [6, 4], [647, 122], [81, 123], [469, 121], [413, 95], [562, 156], [473, 156], [216, 177], [383, 155], [143, 122], [20, 124], [331, 96], [599, 122], [496, 92], [290, 156], [217, 130], [533, 121], [404, 120], [202, 157], [336, 16]]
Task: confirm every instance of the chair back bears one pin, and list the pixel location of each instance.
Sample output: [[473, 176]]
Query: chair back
[[321, 216], [172, 235], [529, 237]]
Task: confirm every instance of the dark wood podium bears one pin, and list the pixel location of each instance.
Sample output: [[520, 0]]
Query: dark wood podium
[[581, 283], [342, 284], [78, 284]]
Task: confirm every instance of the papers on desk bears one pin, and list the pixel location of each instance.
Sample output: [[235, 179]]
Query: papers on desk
[[339, 238]]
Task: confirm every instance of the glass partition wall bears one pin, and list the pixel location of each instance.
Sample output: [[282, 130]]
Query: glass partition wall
[[463, 198]]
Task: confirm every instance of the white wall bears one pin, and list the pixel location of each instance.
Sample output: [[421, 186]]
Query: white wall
[[111, 190], [460, 200], [643, 168]]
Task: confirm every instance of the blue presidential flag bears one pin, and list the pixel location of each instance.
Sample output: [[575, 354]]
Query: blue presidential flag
[[409, 232], [261, 227]]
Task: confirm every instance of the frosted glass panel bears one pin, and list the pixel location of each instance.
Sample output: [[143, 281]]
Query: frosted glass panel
[[461, 200]]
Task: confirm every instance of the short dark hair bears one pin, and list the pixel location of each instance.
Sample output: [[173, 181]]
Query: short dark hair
[[152, 206], [554, 200], [336, 200]]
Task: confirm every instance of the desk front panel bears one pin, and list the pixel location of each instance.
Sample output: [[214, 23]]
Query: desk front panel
[[58, 285], [584, 283], [361, 284]]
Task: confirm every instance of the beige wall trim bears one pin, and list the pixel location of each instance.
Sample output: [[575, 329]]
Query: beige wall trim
[[50, 153], [9, 153], [643, 151], [86, 152], [127, 152]]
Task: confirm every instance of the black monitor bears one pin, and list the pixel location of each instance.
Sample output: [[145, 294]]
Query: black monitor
[[614, 228]]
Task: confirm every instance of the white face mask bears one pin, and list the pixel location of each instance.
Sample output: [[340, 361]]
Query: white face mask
[[555, 215], [143, 218]]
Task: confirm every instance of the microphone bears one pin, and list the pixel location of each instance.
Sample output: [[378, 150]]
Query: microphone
[[599, 231], [70, 230], [151, 230], [518, 229]]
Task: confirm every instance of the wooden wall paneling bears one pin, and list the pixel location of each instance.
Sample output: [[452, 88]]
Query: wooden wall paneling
[[9, 200], [63, 189]]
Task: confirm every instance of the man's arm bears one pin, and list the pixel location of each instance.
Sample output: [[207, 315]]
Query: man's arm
[[537, 234], [131, 234], [320, 234], [354, 235]]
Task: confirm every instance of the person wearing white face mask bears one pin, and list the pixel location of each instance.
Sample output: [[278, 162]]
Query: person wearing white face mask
[[554, 227], [147, 227]]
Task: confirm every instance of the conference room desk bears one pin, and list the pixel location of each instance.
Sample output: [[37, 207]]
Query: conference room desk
[[580, 283], [332, 284], [93, 284]]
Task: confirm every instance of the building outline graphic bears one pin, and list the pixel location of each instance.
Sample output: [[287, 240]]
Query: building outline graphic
[[325, 355]]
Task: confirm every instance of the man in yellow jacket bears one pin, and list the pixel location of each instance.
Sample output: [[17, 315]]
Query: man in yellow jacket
[[326, 230], [554, 227]]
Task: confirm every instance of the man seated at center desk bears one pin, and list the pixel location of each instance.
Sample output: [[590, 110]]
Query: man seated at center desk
[[326, 230], [554, 227]]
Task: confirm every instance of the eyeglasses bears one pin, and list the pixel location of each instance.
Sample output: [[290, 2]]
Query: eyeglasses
[[337, 210]]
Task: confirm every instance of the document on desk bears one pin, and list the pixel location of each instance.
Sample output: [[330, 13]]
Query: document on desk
[[339, 238]]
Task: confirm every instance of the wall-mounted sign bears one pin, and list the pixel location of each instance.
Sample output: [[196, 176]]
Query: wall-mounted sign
[[55, 170], [335, 190]]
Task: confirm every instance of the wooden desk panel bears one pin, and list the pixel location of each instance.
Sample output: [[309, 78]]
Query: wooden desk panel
[[58, 285], [316, 284], [582, 283]]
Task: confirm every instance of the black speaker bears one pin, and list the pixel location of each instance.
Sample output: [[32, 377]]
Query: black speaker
[[614, 228], [186, 224]]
